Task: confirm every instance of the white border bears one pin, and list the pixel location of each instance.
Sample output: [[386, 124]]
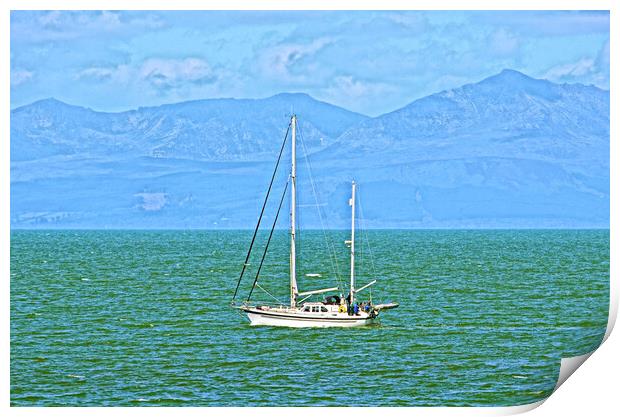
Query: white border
[[592, 390]]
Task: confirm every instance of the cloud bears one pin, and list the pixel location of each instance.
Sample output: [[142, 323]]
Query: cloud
[[161, 75], [602, 63], [51, 19], [602, 59], [409, 20], [120, 74], [586, 70], [574, 69], [354, 93], [285, 61], [66, 24], [152, 201], [355, 88], [45, 26], [502, 43], [173, 73], [97, 73], [546, 22], [19, 77]]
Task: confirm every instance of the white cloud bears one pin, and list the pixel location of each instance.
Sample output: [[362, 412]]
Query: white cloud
[[546, 22], [152, 201], [503, 43], [50, 19], [99, 73], [79, 22], [120, 74], [580, 68], [355, 94], [19, 77], [603, 55], [411, 21], [348, 85], [110, 19], [159, 74], [586, 70], [284, 61], [58, 25], [602, 67], [172, 73]]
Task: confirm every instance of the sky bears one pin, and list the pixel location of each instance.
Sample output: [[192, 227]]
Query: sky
[[365, 61]]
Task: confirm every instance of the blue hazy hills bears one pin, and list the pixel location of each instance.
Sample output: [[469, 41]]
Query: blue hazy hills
[[508, 151]]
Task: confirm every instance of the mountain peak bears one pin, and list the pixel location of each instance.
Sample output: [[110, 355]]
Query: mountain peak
[[291, 96], [510, 76], [508, 72], [512, 83], [51, 101], [48, 103]]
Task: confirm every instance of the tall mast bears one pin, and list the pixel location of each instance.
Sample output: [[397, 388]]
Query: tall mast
[[293, 204], [352, 204]]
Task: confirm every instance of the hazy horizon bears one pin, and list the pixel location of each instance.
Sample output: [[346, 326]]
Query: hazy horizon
[[268, 97]]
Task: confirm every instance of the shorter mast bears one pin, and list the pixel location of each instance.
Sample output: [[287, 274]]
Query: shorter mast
[[352, 204]]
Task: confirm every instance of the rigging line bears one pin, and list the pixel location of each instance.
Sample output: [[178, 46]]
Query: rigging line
[[330, 246], [273, 176], [269, 294], [268, 241], [300, 249], [362, 268], [365, 233]]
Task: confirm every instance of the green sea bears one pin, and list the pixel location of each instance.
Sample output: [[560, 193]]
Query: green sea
[[142, 318]]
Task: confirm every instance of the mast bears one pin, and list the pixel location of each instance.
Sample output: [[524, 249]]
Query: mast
[[293, 204], [352, 204]]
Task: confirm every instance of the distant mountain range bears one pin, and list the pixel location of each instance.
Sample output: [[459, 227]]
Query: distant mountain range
[[509, 151]]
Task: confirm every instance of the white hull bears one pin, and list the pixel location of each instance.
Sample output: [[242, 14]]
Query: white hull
[[299, 319]]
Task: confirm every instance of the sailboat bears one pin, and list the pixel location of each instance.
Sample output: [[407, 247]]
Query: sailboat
[[335, 310]]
